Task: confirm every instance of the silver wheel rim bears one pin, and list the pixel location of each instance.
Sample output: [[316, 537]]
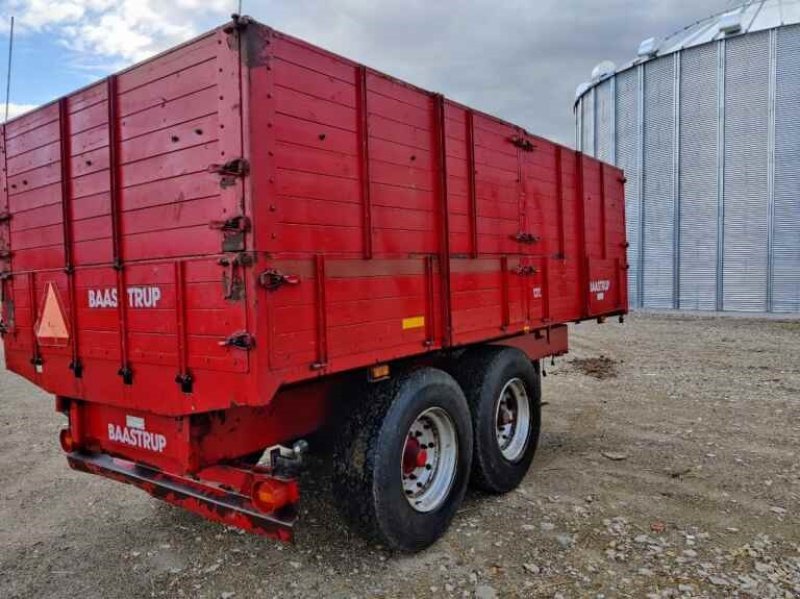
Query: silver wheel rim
[[512, 420], [429, 460]]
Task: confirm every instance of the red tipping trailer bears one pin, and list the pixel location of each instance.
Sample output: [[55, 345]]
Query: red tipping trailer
[[219, 251]]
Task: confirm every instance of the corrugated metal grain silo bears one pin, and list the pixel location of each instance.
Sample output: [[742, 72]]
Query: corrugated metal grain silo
[[706, 125]]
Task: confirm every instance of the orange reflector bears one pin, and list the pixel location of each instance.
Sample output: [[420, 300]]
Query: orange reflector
[[379, 372], [273, 494], [66, 440]]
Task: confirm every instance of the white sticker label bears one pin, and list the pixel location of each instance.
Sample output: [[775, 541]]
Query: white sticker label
[[599, 288], [138, 297], [134, 421], [537, 292]]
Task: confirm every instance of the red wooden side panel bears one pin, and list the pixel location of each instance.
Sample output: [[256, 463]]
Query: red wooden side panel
[[116, 201], [360, 171]]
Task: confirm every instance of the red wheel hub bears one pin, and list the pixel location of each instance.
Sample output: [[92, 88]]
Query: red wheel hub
[[414, 456]]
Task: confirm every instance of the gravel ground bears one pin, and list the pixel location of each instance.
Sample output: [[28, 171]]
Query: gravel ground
[[668, 467]]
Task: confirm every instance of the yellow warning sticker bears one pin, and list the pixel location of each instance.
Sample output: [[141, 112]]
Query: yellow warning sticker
[[52, 326], [415, 322]]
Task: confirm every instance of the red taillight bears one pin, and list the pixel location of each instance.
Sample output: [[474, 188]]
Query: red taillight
[[273, 494], [66, 440]]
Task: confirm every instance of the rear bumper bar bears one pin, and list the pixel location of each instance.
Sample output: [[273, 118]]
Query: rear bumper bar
[[210, 501]]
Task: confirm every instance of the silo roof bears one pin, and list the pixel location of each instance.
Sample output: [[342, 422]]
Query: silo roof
[[752, 16], [748, 17]]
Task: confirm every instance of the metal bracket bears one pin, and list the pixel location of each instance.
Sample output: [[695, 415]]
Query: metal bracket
[[272, 279], [233, 286], [238, 23], [238, 167], [522, 143], [524, 237], [5, 254], [233, 230], [238, 224], [230, 171], [76, 366], [127, 374], [241, 340], [525, 270], [186, 382], [5, 217]]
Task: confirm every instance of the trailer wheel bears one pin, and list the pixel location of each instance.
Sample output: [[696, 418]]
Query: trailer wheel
[[503, 389], [402, 461]]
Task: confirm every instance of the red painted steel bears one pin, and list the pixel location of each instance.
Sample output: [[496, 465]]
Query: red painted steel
[[232, 224]]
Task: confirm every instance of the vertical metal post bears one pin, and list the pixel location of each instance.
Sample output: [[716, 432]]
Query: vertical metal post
[[65, 160], [473, 191], [322, 312], [560, 203], [440, 141], [364, 172], [773, 76], [676, 185], [720, 173], [115, 191], [184, 377], [579, 124], [640, 184]]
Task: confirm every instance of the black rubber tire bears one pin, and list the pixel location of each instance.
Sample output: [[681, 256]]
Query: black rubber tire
[[367, 484], [482, 374]]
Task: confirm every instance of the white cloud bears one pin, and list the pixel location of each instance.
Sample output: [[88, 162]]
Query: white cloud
[[130, 30], [519, 59], [15, 109]]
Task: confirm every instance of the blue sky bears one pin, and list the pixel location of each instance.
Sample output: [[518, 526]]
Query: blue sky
[[518, 59]]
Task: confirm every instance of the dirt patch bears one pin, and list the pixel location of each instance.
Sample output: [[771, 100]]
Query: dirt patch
[[601, 367]]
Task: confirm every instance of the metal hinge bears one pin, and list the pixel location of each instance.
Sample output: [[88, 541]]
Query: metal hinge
[[185, 381], [5, 254], [233, 231], [241, 340], [522, 143], [5, 217], [76, 366], [127, 374], [273, 279], [229, 171], [525, 270], [237, 224], [523, 237], [233, 285], [238, 167]]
